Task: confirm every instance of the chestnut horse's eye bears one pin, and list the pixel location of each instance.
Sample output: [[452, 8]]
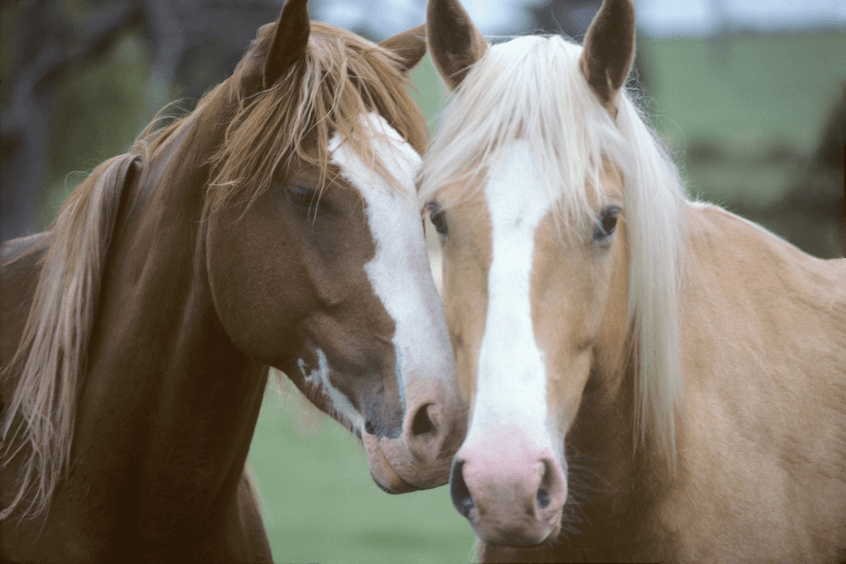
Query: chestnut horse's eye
[[303, 196], [606, 223], [437, 217]]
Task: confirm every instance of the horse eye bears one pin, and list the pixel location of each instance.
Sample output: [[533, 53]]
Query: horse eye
[[606, 223], [302, 196], [436, 216]]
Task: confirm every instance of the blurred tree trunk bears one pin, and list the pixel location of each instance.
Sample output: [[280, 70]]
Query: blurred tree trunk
[[47, 43], [166, 37], [193, 44]]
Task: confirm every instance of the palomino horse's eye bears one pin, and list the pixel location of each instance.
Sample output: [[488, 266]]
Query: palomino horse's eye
[[606, 223], [436, 216], [303, 196]]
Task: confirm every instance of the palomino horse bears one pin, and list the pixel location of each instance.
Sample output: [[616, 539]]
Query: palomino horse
[[274, 225], [649, 378]]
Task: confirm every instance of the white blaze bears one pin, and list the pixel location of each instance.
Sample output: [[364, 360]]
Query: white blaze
[[319, 377], [511, 385], [399, 271]]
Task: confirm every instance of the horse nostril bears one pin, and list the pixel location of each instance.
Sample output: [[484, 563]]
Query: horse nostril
[[543, 498], [458, 491], [368, 428], [422, 423]]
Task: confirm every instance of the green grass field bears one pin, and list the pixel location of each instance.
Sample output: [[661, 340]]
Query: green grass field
[[747, 95], [321, 505]]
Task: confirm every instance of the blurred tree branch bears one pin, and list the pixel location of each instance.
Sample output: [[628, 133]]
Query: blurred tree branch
[[47, 45], [193, 43]]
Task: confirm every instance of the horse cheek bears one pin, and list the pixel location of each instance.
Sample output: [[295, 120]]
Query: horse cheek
[[252, 307]]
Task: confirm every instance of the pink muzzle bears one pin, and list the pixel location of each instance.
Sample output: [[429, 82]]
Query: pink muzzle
[[511, 488]]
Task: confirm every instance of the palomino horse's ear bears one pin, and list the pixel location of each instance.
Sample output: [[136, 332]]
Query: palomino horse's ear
[[454, 42], [409, 46], [609, 50], [289, 41]]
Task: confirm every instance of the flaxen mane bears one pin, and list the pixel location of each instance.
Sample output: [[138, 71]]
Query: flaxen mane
[[532, 88], [344, 77]]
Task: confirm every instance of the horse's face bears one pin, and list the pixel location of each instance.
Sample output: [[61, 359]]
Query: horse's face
[[532, 310], [332, 286], [535, 300], [334, 289]]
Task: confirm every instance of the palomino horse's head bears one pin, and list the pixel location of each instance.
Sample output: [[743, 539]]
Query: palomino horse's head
[[314, 245], [525, 184]]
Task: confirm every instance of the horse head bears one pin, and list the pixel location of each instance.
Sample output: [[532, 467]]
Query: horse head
[[532, 223], [315, 251]]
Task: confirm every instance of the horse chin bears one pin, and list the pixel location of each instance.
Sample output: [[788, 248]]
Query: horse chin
[[381, 470], [500, 536]]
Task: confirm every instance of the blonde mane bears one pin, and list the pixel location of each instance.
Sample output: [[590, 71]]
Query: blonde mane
[[532, 88], [343, 78]]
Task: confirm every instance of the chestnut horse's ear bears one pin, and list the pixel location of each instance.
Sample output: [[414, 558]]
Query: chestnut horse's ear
[[609, 50], [454, 42], [409, 46], [289, 41]]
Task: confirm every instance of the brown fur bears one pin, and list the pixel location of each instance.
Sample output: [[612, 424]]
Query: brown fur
[[609, 50], [409, 47], [455, 44], [128, 437]]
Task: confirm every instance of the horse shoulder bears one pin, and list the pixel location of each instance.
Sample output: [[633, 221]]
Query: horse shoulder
[[763, 290], [20, 265], [764, 340]]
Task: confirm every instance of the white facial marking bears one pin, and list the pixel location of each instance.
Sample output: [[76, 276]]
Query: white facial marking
[[399, 271], [320, 377], [511, 386]]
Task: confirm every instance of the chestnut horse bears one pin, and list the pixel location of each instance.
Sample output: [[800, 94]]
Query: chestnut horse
[[649, 378], [275, 225]]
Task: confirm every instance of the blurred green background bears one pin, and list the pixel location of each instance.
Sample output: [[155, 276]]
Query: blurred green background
[[321, 505], [755, 121]]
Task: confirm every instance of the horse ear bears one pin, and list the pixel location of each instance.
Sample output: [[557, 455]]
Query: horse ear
[[454, 42], [409, 46], [289, 41], [609, 50]]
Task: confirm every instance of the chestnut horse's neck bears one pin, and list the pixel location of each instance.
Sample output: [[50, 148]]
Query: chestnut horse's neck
[[165, 416]]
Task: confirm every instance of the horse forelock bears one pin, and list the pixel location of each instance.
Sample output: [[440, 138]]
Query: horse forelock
[[532, 88], [342, 78], [529, 89]]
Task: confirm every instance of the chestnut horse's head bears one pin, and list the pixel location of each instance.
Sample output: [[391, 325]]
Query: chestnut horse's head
[[315, 249], [532, 186]]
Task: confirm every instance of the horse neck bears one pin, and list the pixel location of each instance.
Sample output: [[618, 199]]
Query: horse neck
[[614, 483], [611, 473], [603, 432], [168, 400]]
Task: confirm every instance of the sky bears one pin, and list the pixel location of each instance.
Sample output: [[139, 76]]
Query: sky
[[655, 17]]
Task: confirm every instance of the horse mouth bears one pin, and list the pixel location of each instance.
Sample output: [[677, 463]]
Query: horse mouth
[[393, 490], [381, 470], [517, 538]]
